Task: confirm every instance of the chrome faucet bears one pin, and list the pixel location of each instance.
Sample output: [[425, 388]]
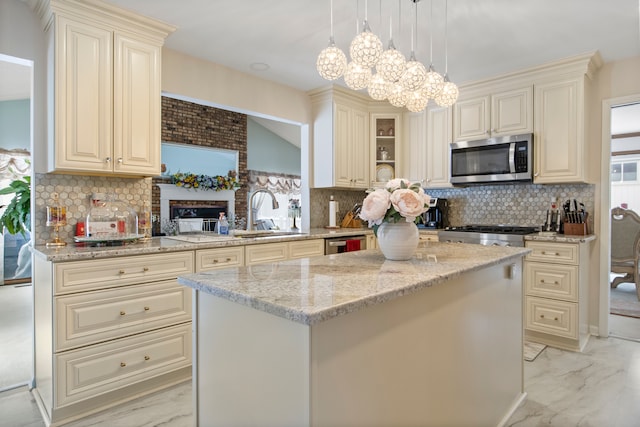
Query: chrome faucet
[[274, 204]]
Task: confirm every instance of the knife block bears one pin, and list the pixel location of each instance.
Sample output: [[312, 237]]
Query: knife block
[[576, 229]]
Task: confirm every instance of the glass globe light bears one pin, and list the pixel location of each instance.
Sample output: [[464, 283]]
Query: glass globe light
[[433, 84], [417, 101], [356, 76], [366, 48], [391, 64], [414, 76], [378, 87], [331, 62], [398, 96], [449, 94]]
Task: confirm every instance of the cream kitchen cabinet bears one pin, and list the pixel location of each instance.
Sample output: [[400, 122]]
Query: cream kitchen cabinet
[[386, 149], [340, 139], [106, 90], [109, 330], [505, 112], [282, 251], [217, 258], [426, 155], [556, 294], [560, 149]]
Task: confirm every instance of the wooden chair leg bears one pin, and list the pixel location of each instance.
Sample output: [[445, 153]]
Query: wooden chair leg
[[627, 278]]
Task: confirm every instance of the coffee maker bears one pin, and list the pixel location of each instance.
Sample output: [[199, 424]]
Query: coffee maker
[[436, 216]]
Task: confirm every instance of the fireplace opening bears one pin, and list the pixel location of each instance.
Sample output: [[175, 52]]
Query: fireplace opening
[[198, 216]]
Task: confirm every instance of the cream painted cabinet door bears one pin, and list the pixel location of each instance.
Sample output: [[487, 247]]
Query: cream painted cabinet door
[[136, 112], [414, 164], [438, 140], [559, 132], [472, 119], [507, 112], [83, 97], [351, 152]]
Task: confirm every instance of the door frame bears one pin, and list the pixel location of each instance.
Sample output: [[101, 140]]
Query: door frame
[[605, 207]]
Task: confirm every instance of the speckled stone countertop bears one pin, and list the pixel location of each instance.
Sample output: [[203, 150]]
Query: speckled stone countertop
[[560, 238], [73, 252], [313, 290]]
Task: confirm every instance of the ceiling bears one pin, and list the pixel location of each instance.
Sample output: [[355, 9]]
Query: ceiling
[[485, 37]]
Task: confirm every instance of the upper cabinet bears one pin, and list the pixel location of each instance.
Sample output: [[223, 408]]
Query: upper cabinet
[[503, 112], [385, 133], [560, 149], [340, 139], [106, 90], [426, 154]]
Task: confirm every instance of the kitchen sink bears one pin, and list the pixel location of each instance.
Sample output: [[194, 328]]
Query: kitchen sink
[[263, 233]]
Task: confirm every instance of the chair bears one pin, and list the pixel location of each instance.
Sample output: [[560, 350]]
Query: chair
[[625, 246]]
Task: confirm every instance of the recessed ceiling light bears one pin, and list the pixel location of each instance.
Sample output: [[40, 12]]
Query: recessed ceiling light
[[259, 66]]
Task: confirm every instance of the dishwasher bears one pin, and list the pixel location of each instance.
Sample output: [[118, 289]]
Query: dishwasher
[[338, 245]]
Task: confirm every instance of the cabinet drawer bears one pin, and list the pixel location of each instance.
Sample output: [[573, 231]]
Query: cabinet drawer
[[92, 317], [213, 259], [94, 370], [270, 252], [558, 318], [566, 253], [94, 274], [551, 280], [306, 248], [428, 237]]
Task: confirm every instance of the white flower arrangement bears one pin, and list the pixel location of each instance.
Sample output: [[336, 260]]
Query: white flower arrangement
[[400, 199]]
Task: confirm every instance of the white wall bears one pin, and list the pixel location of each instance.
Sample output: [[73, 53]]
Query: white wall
[[267, 152]]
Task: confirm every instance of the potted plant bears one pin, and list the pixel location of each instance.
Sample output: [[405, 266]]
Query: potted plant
[[17, 215]]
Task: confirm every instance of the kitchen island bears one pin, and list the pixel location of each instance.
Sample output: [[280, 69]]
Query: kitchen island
[[353, 339]]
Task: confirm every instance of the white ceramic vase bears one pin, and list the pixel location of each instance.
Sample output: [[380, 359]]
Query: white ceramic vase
[[398, 241]]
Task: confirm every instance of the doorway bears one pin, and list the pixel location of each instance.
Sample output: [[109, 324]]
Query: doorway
[[624, 190], [16, 290]]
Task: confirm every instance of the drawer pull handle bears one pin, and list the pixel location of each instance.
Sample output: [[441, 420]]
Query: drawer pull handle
[[145, 269], [550, 253], [544, 282], [146, 309], [122, 364], [542, 317], [147, 358], [228, 259], [122, 313], [121, 272], [215, 261]]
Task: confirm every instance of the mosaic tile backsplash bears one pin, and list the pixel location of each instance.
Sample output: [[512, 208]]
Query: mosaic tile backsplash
[[518, 204], [75, 192]]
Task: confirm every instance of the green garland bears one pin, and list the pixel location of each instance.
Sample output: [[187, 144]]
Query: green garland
[[206, 182]]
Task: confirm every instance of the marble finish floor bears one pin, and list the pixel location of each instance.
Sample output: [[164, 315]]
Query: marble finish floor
[[16, 332], [600, 387]]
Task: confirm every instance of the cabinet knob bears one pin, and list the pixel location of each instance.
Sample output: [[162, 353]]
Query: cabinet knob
[[107, 160], [146, 309], [119, 160], [228, 259], [121, 272], [122, 364], [122, 313], [147, 358], [535, 174], [145, 269]]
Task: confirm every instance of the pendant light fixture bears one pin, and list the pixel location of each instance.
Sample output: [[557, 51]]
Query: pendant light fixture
[[366, 47], [392, 62], [434, 81], [449, 94], [331, 62], [415, 73]]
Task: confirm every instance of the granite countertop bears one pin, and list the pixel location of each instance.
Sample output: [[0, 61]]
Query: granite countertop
[[560, 238], [74, 252], [313, 290]]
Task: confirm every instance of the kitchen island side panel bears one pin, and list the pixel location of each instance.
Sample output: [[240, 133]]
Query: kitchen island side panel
[[450, 354]]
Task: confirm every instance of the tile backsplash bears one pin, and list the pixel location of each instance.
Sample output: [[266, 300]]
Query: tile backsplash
[[517, 204], [74, 193]]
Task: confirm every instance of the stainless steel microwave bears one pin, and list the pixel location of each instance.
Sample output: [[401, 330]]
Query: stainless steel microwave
[[502, 159]]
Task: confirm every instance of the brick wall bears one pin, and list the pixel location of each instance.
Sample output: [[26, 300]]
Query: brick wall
[[194, 124]]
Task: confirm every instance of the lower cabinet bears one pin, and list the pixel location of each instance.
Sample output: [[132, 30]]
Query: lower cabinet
[[109, 330], [282, 251], [556, 290]]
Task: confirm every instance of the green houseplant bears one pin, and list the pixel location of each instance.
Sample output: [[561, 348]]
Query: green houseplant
[[17, 215]]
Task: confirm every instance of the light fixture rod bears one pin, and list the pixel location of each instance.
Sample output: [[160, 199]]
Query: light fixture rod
[[331, 13], [446, 38], [430, 32]]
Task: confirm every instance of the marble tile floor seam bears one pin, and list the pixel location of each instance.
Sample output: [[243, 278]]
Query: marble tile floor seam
[[597, 388]]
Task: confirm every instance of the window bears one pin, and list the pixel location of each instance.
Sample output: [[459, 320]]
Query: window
[[624, 172]]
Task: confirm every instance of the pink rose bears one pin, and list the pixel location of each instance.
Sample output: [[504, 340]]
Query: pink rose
[[408, 203], [374, 206], [395, 184]]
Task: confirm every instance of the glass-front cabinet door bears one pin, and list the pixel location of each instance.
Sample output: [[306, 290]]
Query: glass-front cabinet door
[[385, 148]]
